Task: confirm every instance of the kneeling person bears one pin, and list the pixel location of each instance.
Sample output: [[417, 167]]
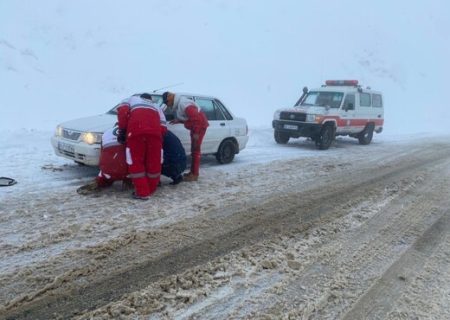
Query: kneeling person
[[113, 166], [174, 158]]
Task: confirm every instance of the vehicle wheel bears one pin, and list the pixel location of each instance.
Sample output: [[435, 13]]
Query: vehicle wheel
[[365, 137], [281, 137], [226, 152], [326, 137]]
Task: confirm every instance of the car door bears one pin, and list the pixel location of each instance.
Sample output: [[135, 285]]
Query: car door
[[348, 113], [364, 112], [219, 127]]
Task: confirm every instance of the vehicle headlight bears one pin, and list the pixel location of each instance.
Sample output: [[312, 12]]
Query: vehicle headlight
[[91, 137], [59, 131], [314, 118], [276, 115], [310, 118]]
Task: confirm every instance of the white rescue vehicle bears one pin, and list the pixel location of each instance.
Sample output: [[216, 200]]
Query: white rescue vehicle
[[340, 107]]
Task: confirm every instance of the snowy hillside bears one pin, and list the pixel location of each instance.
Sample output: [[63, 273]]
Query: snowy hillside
[[61, 60]]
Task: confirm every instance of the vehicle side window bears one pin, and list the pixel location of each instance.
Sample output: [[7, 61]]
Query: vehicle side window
[[349, 102], [365, 100], [208, 107], [169, 115], [227, 115], [377, 101]]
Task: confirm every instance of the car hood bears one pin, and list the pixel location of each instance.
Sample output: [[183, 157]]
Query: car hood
[[306, 109], [98, 123]]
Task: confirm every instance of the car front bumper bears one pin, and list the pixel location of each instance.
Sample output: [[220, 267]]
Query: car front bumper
[[297, 129], [77, 151]]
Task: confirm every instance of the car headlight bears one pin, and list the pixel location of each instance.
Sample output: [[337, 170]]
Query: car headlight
[[310, 118], [276, 115], [314, 118], [91, 137], [59, 131]]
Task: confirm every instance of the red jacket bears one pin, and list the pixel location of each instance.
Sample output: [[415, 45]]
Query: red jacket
[[139, 116], [196, 118], [112, 164], [188, 112]]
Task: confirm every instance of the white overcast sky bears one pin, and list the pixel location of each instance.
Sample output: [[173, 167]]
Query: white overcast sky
[[61, 60]]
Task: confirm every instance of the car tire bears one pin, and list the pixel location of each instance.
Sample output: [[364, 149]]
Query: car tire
[[281, 137], [327, 134], [365, 137], [226, 152]]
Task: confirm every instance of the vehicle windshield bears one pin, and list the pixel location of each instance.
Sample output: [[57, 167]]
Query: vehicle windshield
[[323, 99], [157, 98]]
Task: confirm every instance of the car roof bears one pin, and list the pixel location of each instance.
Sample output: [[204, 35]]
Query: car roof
[[345, 89], [190, 94]]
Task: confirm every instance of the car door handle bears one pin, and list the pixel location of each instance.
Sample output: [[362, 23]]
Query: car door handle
[[222, 124]]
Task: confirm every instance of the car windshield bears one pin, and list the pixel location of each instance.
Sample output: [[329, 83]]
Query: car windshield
[[323, 99], [157, 98]]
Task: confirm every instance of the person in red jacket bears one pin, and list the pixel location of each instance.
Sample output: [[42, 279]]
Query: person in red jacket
[[141, 126], [112, 164], [189, 113]]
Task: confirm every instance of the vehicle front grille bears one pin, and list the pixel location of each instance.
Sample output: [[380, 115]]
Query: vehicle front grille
[[68, 153], [293, 116], [71, 135], [75, 156]]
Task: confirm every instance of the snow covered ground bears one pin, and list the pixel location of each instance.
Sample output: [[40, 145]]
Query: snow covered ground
[[29, 158], [285, 231]]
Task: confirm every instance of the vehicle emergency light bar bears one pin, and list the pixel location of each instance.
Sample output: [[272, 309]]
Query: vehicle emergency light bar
[[341, 82]]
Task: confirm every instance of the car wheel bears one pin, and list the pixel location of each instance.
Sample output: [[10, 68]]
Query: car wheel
[[326, 137], [365, 137], [226, 152], [281, 137]]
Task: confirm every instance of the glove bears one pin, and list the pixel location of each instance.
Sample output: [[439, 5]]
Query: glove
[[121, 136]]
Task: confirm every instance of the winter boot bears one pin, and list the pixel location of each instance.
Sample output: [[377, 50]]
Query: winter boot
[[189, 177], [89, 188], [177, 180], [135, 196]]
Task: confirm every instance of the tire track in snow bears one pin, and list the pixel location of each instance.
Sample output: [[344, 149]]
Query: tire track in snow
[[274, 217]]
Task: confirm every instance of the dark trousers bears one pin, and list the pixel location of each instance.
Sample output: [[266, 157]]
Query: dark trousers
[[173, 170]]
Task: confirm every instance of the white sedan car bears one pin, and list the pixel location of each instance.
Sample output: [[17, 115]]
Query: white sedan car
[[80, 139]]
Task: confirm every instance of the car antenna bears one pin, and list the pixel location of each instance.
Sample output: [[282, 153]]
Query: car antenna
[[167, 87]]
